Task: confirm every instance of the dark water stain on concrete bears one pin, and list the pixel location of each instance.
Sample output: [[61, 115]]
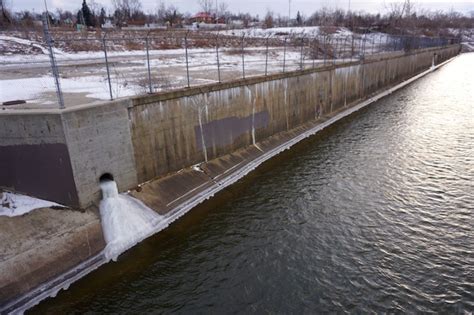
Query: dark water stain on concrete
[[43, 171], [225, 131]]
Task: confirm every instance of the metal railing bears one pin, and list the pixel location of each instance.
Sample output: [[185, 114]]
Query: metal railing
[[196, 58]]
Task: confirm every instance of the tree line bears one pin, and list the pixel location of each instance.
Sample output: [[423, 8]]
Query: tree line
[[400, 17]]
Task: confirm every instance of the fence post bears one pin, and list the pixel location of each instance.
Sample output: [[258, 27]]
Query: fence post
[[352, 47], [325, 45], [266, 56], [364, 42], [187, 58], [217, 55], [380, 44], [243, 56], [373, 46], [335, 52], [302, 53], [343, 47], [148, 63], [54, 67], [315, 56], [107, 65], [284, 54]]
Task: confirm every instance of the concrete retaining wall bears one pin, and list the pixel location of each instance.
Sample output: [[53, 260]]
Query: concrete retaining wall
[[34, 157], [99, 141], [173, 131], [59, 155]]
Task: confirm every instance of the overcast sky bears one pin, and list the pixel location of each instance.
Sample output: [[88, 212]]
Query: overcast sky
[[307, 7]]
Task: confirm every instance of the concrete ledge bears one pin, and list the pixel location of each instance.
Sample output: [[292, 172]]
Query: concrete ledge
[[43, 244]]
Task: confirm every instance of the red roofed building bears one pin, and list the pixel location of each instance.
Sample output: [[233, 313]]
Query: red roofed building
[[203, 17]]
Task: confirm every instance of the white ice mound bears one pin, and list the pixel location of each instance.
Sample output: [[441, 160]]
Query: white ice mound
[[126, 221]]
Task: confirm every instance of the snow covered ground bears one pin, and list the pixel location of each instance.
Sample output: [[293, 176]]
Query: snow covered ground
[[60, 55], [83, 75], [12, 205], [285, 31], [32, 89]]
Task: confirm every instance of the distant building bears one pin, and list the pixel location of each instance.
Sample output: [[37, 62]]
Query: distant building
[[206, 26], [202, 17], [237, 23], [147, 26], [68, 21], [108, 24], [207, 18], [136, 23]]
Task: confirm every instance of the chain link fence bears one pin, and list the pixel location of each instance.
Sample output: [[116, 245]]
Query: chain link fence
[[183, 59]]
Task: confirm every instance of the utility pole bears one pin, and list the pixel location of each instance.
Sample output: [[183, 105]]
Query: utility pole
[[217, 13], [349, 12], [289, 12]]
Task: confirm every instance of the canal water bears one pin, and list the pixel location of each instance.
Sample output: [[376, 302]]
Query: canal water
[[375, 214]]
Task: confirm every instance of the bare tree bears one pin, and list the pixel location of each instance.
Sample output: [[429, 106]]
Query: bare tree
[[222, 11], [161, 11], [94, 6], [127, 9], [206, 5], [169, 15], [401, 11], [408, 8], [268, 22], [5, 14]]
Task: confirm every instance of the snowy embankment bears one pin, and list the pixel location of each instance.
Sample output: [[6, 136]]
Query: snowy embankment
[[93, 86], [469, 47], [12, 205], [43, 55], [128, 70], [467, 37], [285, 31]]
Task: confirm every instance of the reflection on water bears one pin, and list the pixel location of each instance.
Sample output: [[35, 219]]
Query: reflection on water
[[375, 214]]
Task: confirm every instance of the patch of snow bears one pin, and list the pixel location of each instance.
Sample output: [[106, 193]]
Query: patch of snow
[[197, 168], [12, 205], [62, 56], [259, 32], [29, 43], [284, 31], [31, 89]]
